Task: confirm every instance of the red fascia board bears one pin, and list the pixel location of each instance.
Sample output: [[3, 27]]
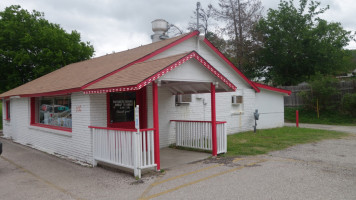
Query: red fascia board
[[55, 93], [216, 50], [218, 122], [273, 88], [148, 56], [114, 129], [167, 69], [53, 127]]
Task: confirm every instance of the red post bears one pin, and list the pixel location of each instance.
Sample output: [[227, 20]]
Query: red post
[[156, 124], [297, 118], [213, 120]]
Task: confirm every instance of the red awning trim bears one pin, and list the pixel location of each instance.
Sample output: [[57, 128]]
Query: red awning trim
[[267, 87], [159, 74], [221, 55]]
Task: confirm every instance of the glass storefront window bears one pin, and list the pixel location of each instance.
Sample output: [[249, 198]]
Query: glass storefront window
[[55, 111]]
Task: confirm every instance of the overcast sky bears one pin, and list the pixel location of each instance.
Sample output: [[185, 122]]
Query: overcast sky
[[117, 25]]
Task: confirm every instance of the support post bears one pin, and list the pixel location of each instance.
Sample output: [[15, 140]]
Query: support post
[[213, 120], [156, 124], [297, 118]]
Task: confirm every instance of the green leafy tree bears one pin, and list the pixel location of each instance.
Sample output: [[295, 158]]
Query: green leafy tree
[[349, 104], [323, 93], [30, 47], [297, 44]]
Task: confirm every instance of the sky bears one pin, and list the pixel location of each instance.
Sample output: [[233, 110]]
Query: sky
[[117, 25]]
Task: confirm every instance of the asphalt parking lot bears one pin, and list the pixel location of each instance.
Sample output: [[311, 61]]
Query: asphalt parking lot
[[323, 170]]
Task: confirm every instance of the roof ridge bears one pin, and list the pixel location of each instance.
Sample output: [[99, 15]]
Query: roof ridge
[[111, 54], [147, 56], [170, 56]]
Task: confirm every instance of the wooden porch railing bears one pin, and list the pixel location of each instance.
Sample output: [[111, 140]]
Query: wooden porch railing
[[198, 135], [124, 147]]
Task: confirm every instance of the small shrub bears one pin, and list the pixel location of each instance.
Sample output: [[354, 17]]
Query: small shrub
[[349, 104], [323, 89]]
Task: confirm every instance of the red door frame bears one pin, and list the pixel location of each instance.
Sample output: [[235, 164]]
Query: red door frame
[[140, 100], [213, 120], [156, 124]]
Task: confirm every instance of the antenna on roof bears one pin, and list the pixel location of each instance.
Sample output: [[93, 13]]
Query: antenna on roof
[[198, 6]]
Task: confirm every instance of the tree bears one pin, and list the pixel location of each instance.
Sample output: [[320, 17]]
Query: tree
[[30, 47], [240, 17], [205, 18], [324, 92], [297, 44]]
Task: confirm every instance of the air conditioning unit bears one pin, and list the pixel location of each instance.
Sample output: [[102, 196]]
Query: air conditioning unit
[[183, 98], [235, 100]]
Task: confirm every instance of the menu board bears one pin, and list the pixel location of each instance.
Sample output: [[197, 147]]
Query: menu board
[[122, 106]]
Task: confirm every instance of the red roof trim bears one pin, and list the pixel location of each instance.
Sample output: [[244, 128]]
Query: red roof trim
[[148, 56], [273, 88], [230, 63], [55, 93], [167, 69]]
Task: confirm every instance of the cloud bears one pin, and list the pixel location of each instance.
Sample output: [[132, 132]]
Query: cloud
[[117, 25]]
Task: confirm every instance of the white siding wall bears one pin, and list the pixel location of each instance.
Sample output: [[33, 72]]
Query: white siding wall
[[236, 121], [98, 115], [270, 105], [200, 109], [75, 145]]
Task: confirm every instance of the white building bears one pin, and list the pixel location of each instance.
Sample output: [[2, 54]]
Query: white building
[[85, 111]]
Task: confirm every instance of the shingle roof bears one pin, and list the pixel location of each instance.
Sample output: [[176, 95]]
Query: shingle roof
[[77, 75], [141, 74], [136, 73]]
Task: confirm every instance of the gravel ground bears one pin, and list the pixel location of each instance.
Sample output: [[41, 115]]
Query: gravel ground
[[322, 170]]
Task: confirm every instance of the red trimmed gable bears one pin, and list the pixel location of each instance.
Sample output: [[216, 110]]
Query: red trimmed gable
[[194, 33], [221, 55], [144, 82], [267, 87]]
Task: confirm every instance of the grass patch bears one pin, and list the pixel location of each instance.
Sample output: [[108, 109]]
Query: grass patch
[[266, 140], [0, 115], [325, 117]]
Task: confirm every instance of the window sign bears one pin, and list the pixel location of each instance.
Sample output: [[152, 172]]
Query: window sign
[[122, 106]]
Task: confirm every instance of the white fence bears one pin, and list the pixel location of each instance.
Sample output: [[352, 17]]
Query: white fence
[[124, 147], [198, 135]]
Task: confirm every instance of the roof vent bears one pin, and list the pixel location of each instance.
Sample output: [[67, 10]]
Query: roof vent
[[159, 27]]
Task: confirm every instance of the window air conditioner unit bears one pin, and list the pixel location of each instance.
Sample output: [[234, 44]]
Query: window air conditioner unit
[[183, 98], [235, 100]]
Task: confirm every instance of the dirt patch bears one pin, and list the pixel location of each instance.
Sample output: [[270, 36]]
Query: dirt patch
[[260, 148], [139, 181], [242, 141], [227, 161]]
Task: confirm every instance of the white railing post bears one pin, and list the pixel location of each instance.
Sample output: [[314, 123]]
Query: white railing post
[[198, 135], [137, 145], [93, 135], [133, 149]]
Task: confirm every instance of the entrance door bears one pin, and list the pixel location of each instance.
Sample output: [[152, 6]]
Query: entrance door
[[121, 106]]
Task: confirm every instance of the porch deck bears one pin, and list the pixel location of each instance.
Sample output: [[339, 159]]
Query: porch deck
[[175, 157]]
